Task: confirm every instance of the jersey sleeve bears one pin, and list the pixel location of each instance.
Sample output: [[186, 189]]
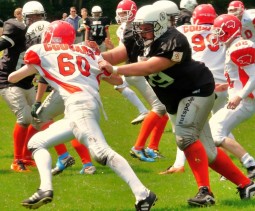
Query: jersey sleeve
[[243, 54], [31, 57], [14, 31]]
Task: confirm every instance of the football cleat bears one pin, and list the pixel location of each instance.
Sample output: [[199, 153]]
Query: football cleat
[[140, 154], [153, 153], [251, 172], [203, 198], [19, 166], [147, 203], [29, 162], [62, 164], [139, 119], [38, 199], [172, 170], [88, 169], [247, 192]]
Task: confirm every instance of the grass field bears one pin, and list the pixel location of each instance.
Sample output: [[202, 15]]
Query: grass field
[[105, 191]]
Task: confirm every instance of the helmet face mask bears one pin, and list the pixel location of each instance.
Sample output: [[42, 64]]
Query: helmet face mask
[[147, 16], [59, 32]]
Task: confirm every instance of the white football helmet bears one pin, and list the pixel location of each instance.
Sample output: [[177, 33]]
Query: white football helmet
[[149, 15], [96, 11], [32, 8], [188, 4], [35, 31], [171, 9]]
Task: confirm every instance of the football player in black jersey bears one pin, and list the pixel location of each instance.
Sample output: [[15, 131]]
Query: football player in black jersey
[[186, 88], [19, 96], [97, 28]]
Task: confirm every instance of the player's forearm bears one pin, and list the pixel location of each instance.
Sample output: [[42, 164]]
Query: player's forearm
[[21, 73], [40, 91]]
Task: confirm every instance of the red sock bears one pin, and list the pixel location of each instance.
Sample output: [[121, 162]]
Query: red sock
[[27, 155], [82, 151], [225, 167], [157, 132], [60, 149], [198, 162], [148, 124], [19, 133]]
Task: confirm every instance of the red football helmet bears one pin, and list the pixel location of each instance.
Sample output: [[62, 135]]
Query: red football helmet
[[204, 14], [236, 8], [227, 27], [127, 6], [59, 32]]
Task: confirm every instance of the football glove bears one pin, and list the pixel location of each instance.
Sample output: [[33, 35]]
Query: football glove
[[34, 108]]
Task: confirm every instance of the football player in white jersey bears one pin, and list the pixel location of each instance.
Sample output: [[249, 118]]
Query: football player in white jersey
[[247, 18], [199, 35], [73, 71], [240, 74]]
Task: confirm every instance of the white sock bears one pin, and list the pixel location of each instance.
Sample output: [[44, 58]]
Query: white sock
[[132, 97], [180, 158], [43, 162], [247, 160]]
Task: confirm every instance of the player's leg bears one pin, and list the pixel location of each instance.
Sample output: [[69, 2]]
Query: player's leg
[[191, 116], [58, 132], [83, 152], [224, 121], [128, 93], [88, 132], [52, 107], [16, 99]]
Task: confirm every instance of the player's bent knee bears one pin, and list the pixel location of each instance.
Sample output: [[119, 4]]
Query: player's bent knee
[[183, 142]]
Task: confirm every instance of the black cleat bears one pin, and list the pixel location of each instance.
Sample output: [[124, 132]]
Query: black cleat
[[62, 164], [147, 203], [203, 198], [247, 192], [38, 199]]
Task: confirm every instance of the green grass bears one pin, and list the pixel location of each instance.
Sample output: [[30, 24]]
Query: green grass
[[105, 191]]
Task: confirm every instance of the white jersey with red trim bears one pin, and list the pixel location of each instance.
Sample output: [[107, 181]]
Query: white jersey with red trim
[[248, 24], [74, 69], [240, 67], [202, 50]]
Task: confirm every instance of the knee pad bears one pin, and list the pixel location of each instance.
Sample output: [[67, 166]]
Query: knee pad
[[184, 141]]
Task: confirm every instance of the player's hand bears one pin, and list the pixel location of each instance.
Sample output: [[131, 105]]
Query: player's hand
[[105, 66], [93, 45], [221, 87], [108, 43], [234, 102], [34, 109]]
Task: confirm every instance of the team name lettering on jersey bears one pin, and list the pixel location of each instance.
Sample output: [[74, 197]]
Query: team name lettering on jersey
[[62, 47], [192, 28]]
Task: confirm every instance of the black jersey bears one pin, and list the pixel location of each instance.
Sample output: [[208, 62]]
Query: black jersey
[[97, 28], [186, 78], [14, 33]]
